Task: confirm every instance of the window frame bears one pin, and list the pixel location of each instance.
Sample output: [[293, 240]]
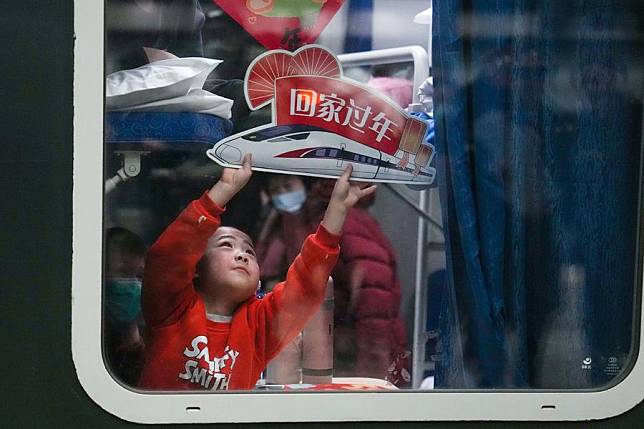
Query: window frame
[[147, 407]]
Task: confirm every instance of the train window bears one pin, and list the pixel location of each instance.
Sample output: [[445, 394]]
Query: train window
[[302, 136], [268, 133], [280, 139], [515, 278]]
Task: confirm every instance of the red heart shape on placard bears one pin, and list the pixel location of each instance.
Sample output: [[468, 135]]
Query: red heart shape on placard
[[265, 69], [282, 24]]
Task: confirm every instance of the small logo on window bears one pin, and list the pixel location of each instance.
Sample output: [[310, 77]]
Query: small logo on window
[[586, 363], [612, 367]]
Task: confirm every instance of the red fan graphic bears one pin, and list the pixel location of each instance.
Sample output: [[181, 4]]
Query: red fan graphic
[[315, 61], [262, 73], [321, 120]]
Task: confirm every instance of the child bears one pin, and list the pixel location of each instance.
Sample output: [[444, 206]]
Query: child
[[207, 329], [125, 253]]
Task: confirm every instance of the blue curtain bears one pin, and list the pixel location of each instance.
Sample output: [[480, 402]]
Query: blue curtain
[[538, 134], [359, 17]]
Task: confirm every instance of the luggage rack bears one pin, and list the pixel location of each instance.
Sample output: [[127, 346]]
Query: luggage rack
[[134, 134]]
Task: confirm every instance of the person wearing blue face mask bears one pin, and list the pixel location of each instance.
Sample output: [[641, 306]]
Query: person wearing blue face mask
[[286, 196], [369, 334], [123, 299], [288, 193], [124, 262]]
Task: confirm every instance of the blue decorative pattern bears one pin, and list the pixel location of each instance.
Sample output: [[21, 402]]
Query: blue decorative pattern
[[157, 131]]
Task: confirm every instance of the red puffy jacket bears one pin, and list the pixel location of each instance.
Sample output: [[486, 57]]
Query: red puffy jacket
[[369, 336], [369, 333]]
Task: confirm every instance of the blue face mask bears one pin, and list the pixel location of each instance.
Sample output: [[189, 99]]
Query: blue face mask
[[289, 202], [123, 296]]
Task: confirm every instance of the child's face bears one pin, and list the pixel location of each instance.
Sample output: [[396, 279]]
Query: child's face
[[230, 267]]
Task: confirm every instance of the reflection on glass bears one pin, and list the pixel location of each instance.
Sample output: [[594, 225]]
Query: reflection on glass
[[527, 275]]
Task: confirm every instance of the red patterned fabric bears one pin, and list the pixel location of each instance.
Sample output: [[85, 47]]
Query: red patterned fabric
[[284, 24], [337, 386]]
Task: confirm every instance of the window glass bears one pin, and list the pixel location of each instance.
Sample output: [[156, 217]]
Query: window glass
[[516, 268]]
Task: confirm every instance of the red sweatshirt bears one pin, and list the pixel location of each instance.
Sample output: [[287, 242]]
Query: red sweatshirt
[[185, 350]]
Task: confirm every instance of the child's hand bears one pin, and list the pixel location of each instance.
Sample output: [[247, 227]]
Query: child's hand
[[345, 195], [232, 180]]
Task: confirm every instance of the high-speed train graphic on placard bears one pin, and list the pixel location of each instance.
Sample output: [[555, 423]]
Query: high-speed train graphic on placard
[[322, 121], [313, 151]]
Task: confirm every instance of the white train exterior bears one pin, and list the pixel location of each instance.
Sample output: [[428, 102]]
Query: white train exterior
[[311, 151]]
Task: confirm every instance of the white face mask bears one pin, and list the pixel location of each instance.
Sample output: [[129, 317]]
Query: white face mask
[[289, 202]]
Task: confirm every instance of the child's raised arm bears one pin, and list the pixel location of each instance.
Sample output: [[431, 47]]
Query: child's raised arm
[[293, 302], [172, 259], [344, 196], [231, 182]]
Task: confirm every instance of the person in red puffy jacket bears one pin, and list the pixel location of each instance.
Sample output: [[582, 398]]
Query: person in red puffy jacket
[[369, 334]]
